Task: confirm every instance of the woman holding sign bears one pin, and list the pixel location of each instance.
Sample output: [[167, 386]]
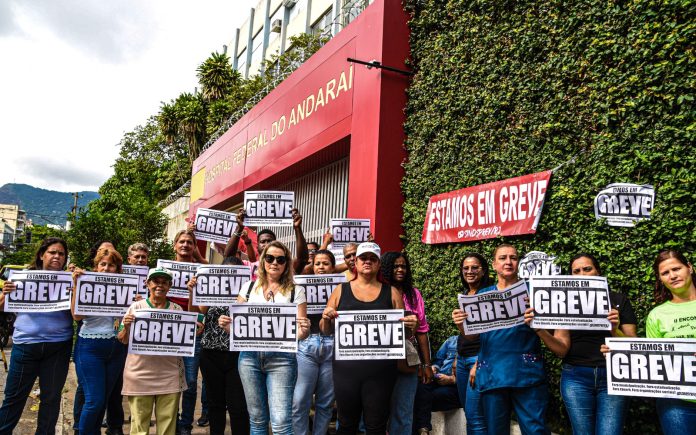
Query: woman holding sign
[[584, 375], [99, 356], [396, 270], [474, 275], [219, 367], [510, 368], [42, 344], [675, 291], [269, 377], [152, 380], [314, 367], [364, 387]]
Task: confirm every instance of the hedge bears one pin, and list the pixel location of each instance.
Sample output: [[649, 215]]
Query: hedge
[[507, 88]]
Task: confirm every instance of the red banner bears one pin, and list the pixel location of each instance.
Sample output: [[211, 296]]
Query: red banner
[[503, 208]]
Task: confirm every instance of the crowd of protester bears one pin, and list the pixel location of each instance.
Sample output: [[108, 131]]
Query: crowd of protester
[[488, 375]]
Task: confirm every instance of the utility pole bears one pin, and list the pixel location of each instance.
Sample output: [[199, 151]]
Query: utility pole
[[75, 196]]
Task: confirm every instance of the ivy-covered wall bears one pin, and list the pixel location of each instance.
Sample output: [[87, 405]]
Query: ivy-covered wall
[[505, 88]]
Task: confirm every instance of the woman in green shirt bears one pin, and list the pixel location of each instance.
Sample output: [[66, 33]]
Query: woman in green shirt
[[675, 317]]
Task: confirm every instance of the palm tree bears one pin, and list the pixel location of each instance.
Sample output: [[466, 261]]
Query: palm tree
[[216, 76]]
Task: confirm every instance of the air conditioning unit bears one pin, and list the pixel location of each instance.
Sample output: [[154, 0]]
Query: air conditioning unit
[[276, 25], [289, 3]]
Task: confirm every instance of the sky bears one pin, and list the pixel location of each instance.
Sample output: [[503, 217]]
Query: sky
[[78, 74]]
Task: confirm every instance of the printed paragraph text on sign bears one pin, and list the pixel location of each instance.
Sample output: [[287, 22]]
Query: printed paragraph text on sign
[[263, 327], [39, 291], [105, 294], [495, 309], [570, 302], [163, 332], [269, 208], [219, 285], [370, 335]]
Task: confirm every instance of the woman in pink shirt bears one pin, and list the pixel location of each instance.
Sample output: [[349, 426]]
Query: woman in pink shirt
[[396, 270]]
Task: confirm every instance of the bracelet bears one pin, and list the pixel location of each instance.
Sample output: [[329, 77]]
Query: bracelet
[[239, 234], [121, 327]]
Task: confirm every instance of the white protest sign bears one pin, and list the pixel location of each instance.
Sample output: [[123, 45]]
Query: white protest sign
[[141, 271], [318, 289], [219, 285], [345, 231], [269, 208], [370, 335], [183, 272], [537, 263], [338, 255], [39, 291], [263, 327], [105, 294], [163, 332], [570, 302], [624, 204], [214, 225], [495, 309], [652, 367]]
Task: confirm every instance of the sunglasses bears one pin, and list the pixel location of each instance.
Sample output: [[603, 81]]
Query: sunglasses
[[366, 258], [281, 259], [313, 251]]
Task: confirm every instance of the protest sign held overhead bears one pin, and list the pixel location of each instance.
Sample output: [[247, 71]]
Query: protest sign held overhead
[[345, 231], [495, 309], [652, 368], [570, 302], [39, 291], [182, 273], [219, 285], [163, 332], [537, 263], [141, 272], [105, 294], [269, 208], [503, 208], [318, 289], [624, 204], [263, 327], [214, 225], [370, 335]]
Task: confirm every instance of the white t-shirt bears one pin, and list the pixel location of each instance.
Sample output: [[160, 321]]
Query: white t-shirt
[[256, 295]]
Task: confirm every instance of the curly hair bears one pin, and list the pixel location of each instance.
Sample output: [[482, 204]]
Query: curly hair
[[388, 260]]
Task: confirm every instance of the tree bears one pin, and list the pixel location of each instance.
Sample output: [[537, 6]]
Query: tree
[[217, 77], [25, 254]]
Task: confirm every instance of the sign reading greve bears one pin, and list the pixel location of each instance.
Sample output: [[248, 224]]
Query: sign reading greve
[[141, 272], [263, 327], [163, 332], [624, 204], [503, 208], [219, 285], [345, 231], [570, 302], [105, 294], [39, 291], [318, 289], [269, 208], [182, 273], [537, 263], [370, 335], [652, 368], [214, 225], [495, 309]]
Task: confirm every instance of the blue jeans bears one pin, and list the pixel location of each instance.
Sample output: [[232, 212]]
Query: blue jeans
[[98, 363], [469, 397], [529, 404], [403, 396], [590, 408], [269, 380], [314, 377], [48, 361], [676, 415], [188, 397]]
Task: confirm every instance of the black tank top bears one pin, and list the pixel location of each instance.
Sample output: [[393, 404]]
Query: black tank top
[[348, 301]]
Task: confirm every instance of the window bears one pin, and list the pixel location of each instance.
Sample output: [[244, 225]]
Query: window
[[241, 61], [256, 48], [323, 25]]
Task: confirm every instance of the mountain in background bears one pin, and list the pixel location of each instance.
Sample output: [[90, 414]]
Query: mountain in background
[[43, 206]]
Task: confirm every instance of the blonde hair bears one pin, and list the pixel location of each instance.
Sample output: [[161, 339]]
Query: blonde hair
[[110, 253], [286, 278]]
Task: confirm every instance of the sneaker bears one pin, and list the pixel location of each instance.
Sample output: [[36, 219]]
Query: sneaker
[[203, 421]]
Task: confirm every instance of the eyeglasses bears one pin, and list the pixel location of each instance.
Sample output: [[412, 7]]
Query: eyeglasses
[[312, 251], [400, 266], [281, 259], [366, 258], [471, 268], [586, 269]]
